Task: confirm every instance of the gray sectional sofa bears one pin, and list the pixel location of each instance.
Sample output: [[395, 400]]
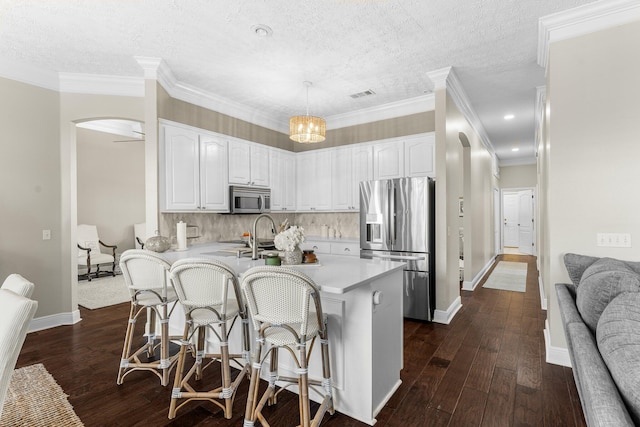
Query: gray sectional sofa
[[601, 315]]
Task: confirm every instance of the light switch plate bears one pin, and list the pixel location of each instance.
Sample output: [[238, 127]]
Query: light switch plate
[[614, 240]]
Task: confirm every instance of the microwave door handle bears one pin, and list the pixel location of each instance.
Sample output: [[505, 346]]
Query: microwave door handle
[[260, 203]]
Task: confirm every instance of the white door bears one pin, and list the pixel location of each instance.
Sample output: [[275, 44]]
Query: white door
[[511, 217], [497, 221], [362, 171], [418, 156], [260, 165], [341, 180], [214, 184], [239, 163], [525, 222], [180, 173], [388, 160]]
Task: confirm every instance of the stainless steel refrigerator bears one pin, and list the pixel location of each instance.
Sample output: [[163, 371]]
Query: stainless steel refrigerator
[[397, 222]]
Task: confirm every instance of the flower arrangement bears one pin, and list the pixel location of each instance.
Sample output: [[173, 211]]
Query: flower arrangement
[[289, 239]]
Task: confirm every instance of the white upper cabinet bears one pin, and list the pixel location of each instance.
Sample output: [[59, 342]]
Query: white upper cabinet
[[193, 170], [388, 160], [362, 156], [314, 181], [342, 179], [419, 156], [248, 163], [283, 180]]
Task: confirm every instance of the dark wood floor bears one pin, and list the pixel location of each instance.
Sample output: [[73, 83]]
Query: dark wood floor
[[486, 368]]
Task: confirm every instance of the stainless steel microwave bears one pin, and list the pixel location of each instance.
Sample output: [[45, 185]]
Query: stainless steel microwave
[[249, 200]]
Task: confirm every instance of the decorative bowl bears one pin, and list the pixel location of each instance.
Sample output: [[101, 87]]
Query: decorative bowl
[[157, 243]]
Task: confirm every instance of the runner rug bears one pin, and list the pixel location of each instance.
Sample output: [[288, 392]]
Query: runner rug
[[508, 276], [35, 399], [102, 292]]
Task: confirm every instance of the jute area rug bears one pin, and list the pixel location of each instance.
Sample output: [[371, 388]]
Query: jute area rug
[[102, 292], [35, 399], [508, 276]]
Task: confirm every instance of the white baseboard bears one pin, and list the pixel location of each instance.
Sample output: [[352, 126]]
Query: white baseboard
[[445, 317], [555, 355], [543, 297], [47, 322], [470, 286]]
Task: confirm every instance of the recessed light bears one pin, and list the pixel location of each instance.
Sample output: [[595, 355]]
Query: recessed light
[[515, 149], [262, 30], [509, 117]]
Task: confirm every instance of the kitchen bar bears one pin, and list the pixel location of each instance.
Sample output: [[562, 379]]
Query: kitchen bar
[[363, 302]]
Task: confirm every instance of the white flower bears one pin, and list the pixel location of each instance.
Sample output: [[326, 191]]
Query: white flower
[[289, 239]]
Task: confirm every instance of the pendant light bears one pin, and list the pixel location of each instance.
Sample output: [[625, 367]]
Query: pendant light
[[307, 129]]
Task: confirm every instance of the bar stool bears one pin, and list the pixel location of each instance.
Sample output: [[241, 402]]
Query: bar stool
[[285, 309], [146, 274], [210, 295]]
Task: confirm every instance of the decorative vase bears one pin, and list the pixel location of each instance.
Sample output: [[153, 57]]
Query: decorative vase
[[157, 243], [292, 257]]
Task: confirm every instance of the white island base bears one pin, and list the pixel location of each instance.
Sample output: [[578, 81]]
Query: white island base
[[363, 302]]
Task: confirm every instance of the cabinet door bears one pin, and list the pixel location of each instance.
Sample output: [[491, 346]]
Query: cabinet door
[[259, 165], [282, 179], [362, 158], [419, 156], [341, 179], [306, 175], [214, 185], [388, 160], [180, 175], [321, 197], [239, 162]]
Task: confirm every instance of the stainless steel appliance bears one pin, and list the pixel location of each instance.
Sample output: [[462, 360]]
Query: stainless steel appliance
[[252, 200], [397, 222]]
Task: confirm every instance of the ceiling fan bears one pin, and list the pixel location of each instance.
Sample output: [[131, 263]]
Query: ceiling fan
[[140, 139]]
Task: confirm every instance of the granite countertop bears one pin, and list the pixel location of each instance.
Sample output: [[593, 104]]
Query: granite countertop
[[335, 274]]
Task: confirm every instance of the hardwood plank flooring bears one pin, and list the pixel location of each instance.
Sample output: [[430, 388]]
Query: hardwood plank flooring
[[486, 368]]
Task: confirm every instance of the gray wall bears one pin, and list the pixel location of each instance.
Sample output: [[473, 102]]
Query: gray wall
[[518, 176], [110, 185]]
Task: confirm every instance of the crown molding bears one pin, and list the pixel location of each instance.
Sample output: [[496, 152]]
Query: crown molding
[[29, 74], [128, 128], [446, 78], [583, 20], [406, 107], [98, 84]]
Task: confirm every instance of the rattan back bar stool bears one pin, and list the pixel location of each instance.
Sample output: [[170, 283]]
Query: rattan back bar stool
[[286, 312], [146, 275], [210, 294]]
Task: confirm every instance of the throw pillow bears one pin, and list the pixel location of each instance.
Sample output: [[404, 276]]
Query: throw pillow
[[576, 265], [601, 282], [618, 337]]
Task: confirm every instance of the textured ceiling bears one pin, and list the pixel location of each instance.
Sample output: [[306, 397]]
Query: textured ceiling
[[342, 46]]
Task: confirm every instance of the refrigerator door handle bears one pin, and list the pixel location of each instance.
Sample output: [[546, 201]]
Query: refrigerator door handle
[[392, 213], [398, 257]]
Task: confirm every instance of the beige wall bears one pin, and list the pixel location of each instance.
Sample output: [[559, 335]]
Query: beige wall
[[30, 189], [521, 176], [111, 191], [592, 165]]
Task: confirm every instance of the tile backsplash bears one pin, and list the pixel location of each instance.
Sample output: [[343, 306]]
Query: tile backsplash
[[216, 227]]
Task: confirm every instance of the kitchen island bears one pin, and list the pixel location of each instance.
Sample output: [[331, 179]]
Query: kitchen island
[[363, 302]]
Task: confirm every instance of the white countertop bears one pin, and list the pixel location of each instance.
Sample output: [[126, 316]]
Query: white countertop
[[334, 274]]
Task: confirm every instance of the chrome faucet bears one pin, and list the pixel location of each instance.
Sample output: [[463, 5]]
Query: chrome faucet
[[253, 240]]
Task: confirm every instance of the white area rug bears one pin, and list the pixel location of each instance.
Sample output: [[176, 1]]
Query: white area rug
[[508, 276], [102, 292], [34, 399]]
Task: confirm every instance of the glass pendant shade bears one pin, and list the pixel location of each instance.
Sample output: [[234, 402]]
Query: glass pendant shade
[[307, 129]]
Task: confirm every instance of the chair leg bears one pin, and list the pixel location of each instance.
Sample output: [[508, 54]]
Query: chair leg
[[250, 415], [227, 391], [303, 388], [165, 364], [177, 383], [273, 374], [126, 349]]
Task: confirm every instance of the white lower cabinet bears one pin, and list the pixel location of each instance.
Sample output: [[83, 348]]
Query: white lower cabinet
[[347, 249]]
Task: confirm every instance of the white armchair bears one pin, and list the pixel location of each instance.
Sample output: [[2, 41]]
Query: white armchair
[[18, 284], [16, 313], [89, 252], [140, 235]]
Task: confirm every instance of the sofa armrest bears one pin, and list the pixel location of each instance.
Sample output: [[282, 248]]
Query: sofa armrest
[[601, 401], [567, 302]]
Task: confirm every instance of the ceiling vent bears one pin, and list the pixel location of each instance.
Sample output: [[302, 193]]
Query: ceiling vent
[[367, 92]]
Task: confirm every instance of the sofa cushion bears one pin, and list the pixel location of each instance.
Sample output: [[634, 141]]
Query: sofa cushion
[[618, 338], [601, 282]]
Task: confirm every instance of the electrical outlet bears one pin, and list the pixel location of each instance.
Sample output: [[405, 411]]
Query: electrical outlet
[[46, 234]]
